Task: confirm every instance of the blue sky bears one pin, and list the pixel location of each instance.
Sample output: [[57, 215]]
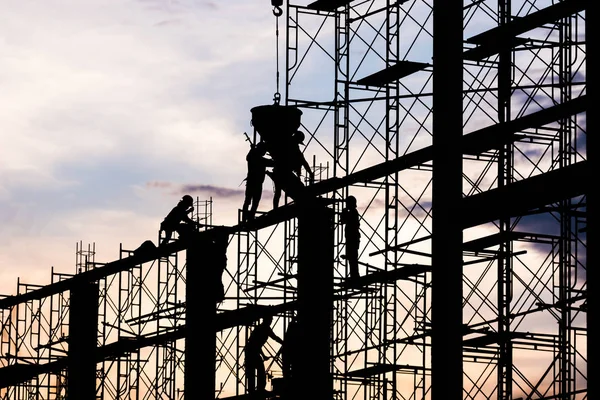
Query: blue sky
[[109, 108]]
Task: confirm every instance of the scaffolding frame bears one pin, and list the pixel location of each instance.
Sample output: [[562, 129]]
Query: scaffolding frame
[[508, 175]]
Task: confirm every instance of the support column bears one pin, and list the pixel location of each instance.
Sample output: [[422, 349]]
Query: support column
[[591, 120], [312, 376], [203, 262], [83, 341], [446, 346]]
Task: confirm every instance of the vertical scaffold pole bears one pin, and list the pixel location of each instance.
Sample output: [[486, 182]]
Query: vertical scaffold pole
[[83, 339], [593, 287]]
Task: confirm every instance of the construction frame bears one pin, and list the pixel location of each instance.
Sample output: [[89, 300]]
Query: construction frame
[[491, 299]]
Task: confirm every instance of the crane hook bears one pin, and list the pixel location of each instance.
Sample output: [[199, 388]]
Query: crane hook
[[277, 11]]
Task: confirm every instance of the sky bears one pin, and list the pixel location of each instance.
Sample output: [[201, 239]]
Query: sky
[[111, 111]]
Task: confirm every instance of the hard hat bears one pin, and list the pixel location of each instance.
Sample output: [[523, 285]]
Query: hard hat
[[187, 199], [351, 200]]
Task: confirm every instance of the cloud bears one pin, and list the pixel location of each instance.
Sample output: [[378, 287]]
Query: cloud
[[211, 190], [217, 192], [214, 191], [102, 96], [102, 79]]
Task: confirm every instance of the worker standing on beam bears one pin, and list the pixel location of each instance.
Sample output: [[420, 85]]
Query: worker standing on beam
[[351, 221], [257, 166], [288, 163]]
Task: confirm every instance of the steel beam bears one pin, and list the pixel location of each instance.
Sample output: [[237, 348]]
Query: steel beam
[[447, 236]]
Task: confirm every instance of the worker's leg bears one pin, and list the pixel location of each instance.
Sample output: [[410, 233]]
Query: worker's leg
[[291, 184], [250, 368], [352, 257], [167, 237], [256, 196], [261, 376], [245, 208]]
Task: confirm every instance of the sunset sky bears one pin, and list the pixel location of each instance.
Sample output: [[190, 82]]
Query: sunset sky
[[111, 110]]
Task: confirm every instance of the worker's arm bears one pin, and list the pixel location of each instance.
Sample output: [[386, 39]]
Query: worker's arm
[[275, 337], [306, 166], [191, 221]]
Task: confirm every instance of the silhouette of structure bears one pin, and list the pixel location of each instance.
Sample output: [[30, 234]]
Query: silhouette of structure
[[463, 128]]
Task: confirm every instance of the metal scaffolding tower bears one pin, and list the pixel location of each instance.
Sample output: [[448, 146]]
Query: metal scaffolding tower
[[461, 128]]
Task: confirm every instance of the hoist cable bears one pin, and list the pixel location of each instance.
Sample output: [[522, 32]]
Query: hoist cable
[[277, 95]]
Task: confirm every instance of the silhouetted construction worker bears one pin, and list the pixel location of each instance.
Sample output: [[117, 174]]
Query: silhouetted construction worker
[[289, 161], [257, 164], [351, 221], [254, 358], [178, 220], [298, 156]]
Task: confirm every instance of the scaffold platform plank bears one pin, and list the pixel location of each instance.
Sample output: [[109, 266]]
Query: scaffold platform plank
[[266, 394], [328, 5], [489, 49], [408, 271], [379, 369], [249, 314], [495, 136], [19, 373], [485, 242], [412, 339], [493, 338], [520, 197], [524, 24], [390, 74]]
